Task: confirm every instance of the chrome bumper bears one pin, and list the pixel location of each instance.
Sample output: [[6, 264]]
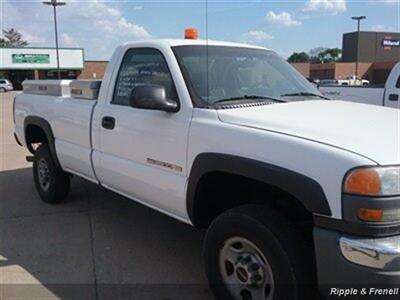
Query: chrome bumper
[[377, 253]]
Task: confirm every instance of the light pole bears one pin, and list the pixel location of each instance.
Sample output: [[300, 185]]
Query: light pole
[[358, 19], [54, 3]]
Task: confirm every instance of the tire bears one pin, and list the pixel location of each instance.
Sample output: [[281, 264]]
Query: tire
[[52, 184], [279, 251], [3, 90]]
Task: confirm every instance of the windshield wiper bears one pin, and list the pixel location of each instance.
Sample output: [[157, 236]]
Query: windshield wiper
[[300, 94], [248, 97]]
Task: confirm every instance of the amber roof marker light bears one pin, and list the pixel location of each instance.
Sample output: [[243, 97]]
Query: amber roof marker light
[[191, 34]]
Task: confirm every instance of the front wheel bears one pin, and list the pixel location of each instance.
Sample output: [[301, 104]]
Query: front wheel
[[253, 253], [52, 184]]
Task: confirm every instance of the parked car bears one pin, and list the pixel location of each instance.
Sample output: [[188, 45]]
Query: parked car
[[293, 189], [353, 80], [327, 82], [386, 95], [313, 80], [5, 85]]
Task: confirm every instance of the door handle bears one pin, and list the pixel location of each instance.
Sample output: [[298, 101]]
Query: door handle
[[108, 123], [394, 97]]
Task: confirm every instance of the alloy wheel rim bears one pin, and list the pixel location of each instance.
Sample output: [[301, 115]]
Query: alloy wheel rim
[[43, 174], [245, 271]]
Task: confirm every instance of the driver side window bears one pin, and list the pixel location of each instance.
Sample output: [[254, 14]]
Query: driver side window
[[144, 66]]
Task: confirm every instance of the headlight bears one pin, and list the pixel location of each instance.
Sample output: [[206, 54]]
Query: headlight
[[373, 181]]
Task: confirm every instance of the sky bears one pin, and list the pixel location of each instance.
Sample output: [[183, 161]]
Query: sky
[[284, 26]]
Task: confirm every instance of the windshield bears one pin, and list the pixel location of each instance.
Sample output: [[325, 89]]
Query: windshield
[[219, 73]]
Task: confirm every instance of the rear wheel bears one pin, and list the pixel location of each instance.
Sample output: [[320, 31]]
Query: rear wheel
[[52, 184], [3, 90], [253, 253]]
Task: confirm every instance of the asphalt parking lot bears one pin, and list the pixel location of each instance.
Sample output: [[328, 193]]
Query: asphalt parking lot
[[96, 245]]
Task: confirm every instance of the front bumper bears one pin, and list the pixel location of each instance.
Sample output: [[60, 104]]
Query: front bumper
[[378, 253], [351, 261]]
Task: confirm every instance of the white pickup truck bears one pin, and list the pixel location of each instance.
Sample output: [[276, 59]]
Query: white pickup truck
[[353, 80], [295, 190], [387, 95]]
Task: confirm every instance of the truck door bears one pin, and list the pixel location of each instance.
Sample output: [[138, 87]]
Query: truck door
[[142, 152], [392, 93]]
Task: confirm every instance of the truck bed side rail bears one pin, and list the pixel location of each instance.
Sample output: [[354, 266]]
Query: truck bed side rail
[[79, 89]]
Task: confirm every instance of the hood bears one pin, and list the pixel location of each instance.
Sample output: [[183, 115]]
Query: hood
[[368, 130]]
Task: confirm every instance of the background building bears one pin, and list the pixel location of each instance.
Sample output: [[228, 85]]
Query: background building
[[377, 53], [372, 46], [303, 68], [93, 69], [18, 64]]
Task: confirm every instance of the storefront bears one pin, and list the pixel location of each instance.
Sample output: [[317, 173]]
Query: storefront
[[19, 64], [376, 52], [370, 46]]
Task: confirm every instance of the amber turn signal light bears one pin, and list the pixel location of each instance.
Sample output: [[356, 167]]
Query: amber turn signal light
[[191, 34], [370, 215]]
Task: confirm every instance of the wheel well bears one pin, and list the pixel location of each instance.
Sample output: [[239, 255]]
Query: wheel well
[[217, 192], [35, 134]]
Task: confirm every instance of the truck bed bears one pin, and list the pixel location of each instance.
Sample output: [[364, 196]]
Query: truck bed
[[361, 94], [62, 105]]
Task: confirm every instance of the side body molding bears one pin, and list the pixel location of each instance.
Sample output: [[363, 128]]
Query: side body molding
[[45, 126], [305, 189]]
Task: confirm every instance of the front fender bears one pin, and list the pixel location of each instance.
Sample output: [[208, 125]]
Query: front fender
[[306, 190]]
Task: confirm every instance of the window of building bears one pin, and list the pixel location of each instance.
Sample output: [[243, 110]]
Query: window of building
[[53, 74], [140, 67]]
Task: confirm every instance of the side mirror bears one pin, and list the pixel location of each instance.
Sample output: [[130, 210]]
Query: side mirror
[[152, 97]]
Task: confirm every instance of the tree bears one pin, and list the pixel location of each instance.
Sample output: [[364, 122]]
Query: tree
[[315, 51], [12, 38], [301, 57], [331, 55], [325, 55]]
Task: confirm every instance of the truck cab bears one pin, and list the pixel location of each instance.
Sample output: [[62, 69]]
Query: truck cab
[[392, 88]]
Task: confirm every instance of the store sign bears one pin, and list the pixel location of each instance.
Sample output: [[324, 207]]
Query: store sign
[[389, 43], [30, 58]]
